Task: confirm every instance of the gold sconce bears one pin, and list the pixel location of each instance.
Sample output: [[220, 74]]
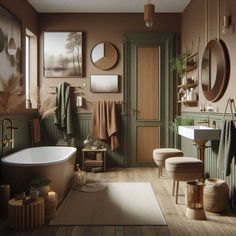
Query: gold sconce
[[149, 12], [226, 20], [226, 24]]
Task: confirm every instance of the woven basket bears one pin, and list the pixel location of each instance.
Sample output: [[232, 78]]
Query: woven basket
[[216, 195]]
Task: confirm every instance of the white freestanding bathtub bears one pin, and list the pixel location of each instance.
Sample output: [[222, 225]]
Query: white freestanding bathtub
[[53, 162]]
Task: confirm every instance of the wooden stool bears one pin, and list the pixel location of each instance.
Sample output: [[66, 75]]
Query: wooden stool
[[25, 216], [161, 154], [183, 169]]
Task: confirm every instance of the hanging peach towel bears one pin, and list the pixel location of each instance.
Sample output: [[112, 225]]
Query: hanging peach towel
[[105, 125]]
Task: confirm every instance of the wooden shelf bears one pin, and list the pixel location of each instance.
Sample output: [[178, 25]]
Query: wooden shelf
[[191, 68], [189, 103], [191, 56], [93, 161], [186, 86]]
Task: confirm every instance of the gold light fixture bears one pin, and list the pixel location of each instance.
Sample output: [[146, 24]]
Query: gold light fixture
[[226, 20], [226, 23], [11, 47], [149, 12]]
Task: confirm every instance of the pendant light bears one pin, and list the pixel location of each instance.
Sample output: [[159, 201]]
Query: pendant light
[[11, 47], [149, 12]]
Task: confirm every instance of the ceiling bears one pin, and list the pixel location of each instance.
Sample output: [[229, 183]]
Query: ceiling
[[107, 5]]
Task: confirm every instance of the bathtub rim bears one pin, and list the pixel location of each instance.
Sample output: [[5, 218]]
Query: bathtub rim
[[5, 162]]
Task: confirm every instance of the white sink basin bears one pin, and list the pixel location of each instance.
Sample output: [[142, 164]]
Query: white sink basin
[[199, 133]]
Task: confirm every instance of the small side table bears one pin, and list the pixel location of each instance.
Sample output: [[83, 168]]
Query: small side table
[[26, 216], [94, 162]]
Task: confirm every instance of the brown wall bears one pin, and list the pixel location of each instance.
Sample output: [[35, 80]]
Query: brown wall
[[24, 12], [28, 17], [96, 28], [99, 28], [194, 25]]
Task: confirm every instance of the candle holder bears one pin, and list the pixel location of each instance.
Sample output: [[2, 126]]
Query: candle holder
[[34, 193], [81, 178], [194, 201]]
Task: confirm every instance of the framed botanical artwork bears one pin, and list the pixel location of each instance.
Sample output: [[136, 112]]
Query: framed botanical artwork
[[104, 84], [63, 54]]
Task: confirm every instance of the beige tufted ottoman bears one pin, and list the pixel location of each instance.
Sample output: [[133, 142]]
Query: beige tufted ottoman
[[161, 154], [183, 169]]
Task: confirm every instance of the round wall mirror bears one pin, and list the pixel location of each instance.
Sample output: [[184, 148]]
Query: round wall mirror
[[215, 70], [104, 56]]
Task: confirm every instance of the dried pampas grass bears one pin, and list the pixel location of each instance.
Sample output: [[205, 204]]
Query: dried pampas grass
[[9, 97], [46, 104]]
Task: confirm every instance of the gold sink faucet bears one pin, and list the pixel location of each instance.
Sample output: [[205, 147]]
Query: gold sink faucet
[[205, 122], [6, 136]]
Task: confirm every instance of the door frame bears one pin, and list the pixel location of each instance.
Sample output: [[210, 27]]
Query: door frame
[[169, 40]]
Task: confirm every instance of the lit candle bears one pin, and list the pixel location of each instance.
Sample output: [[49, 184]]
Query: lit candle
[[81, 177], [51, 196]]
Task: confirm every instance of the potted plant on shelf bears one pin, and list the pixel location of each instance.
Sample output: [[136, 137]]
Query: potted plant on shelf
[[179, 65], [42, 184]]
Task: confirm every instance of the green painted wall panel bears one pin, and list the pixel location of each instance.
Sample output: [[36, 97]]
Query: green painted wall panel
[[50, 134], [82, 127], [211, 153], [22, 137]]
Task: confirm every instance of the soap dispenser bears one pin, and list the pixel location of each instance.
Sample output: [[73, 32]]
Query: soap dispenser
[[192, 95], [188, 95]]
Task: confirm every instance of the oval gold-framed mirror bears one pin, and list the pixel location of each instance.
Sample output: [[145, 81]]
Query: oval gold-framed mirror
[[104, 56], [215, 70]]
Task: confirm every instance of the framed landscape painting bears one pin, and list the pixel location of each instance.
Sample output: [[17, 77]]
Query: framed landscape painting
[[63, 54]]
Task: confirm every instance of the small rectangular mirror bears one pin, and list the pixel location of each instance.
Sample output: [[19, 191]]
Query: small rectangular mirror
[[104, 83]]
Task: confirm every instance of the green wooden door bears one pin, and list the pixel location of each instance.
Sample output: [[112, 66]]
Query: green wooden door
[[148, 97]]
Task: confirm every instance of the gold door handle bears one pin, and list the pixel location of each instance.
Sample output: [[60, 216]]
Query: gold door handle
[[135, 111]]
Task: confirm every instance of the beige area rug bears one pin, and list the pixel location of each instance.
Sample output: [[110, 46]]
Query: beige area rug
[[116, 204]]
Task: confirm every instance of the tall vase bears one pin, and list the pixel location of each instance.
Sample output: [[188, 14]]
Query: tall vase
[[87, 142]]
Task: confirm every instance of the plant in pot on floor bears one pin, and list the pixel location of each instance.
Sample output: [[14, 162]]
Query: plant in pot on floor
[[42, 184]]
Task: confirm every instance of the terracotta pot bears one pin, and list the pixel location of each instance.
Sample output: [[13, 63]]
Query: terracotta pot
[[43, 190]]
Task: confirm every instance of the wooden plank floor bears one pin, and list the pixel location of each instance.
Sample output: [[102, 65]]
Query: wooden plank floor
[[178, 224]]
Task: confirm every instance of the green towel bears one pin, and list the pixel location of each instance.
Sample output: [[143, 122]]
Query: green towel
[[63, 118], [184, 121], [227, 147]]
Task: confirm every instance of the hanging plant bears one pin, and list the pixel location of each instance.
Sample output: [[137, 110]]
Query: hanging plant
[[179, 64]]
